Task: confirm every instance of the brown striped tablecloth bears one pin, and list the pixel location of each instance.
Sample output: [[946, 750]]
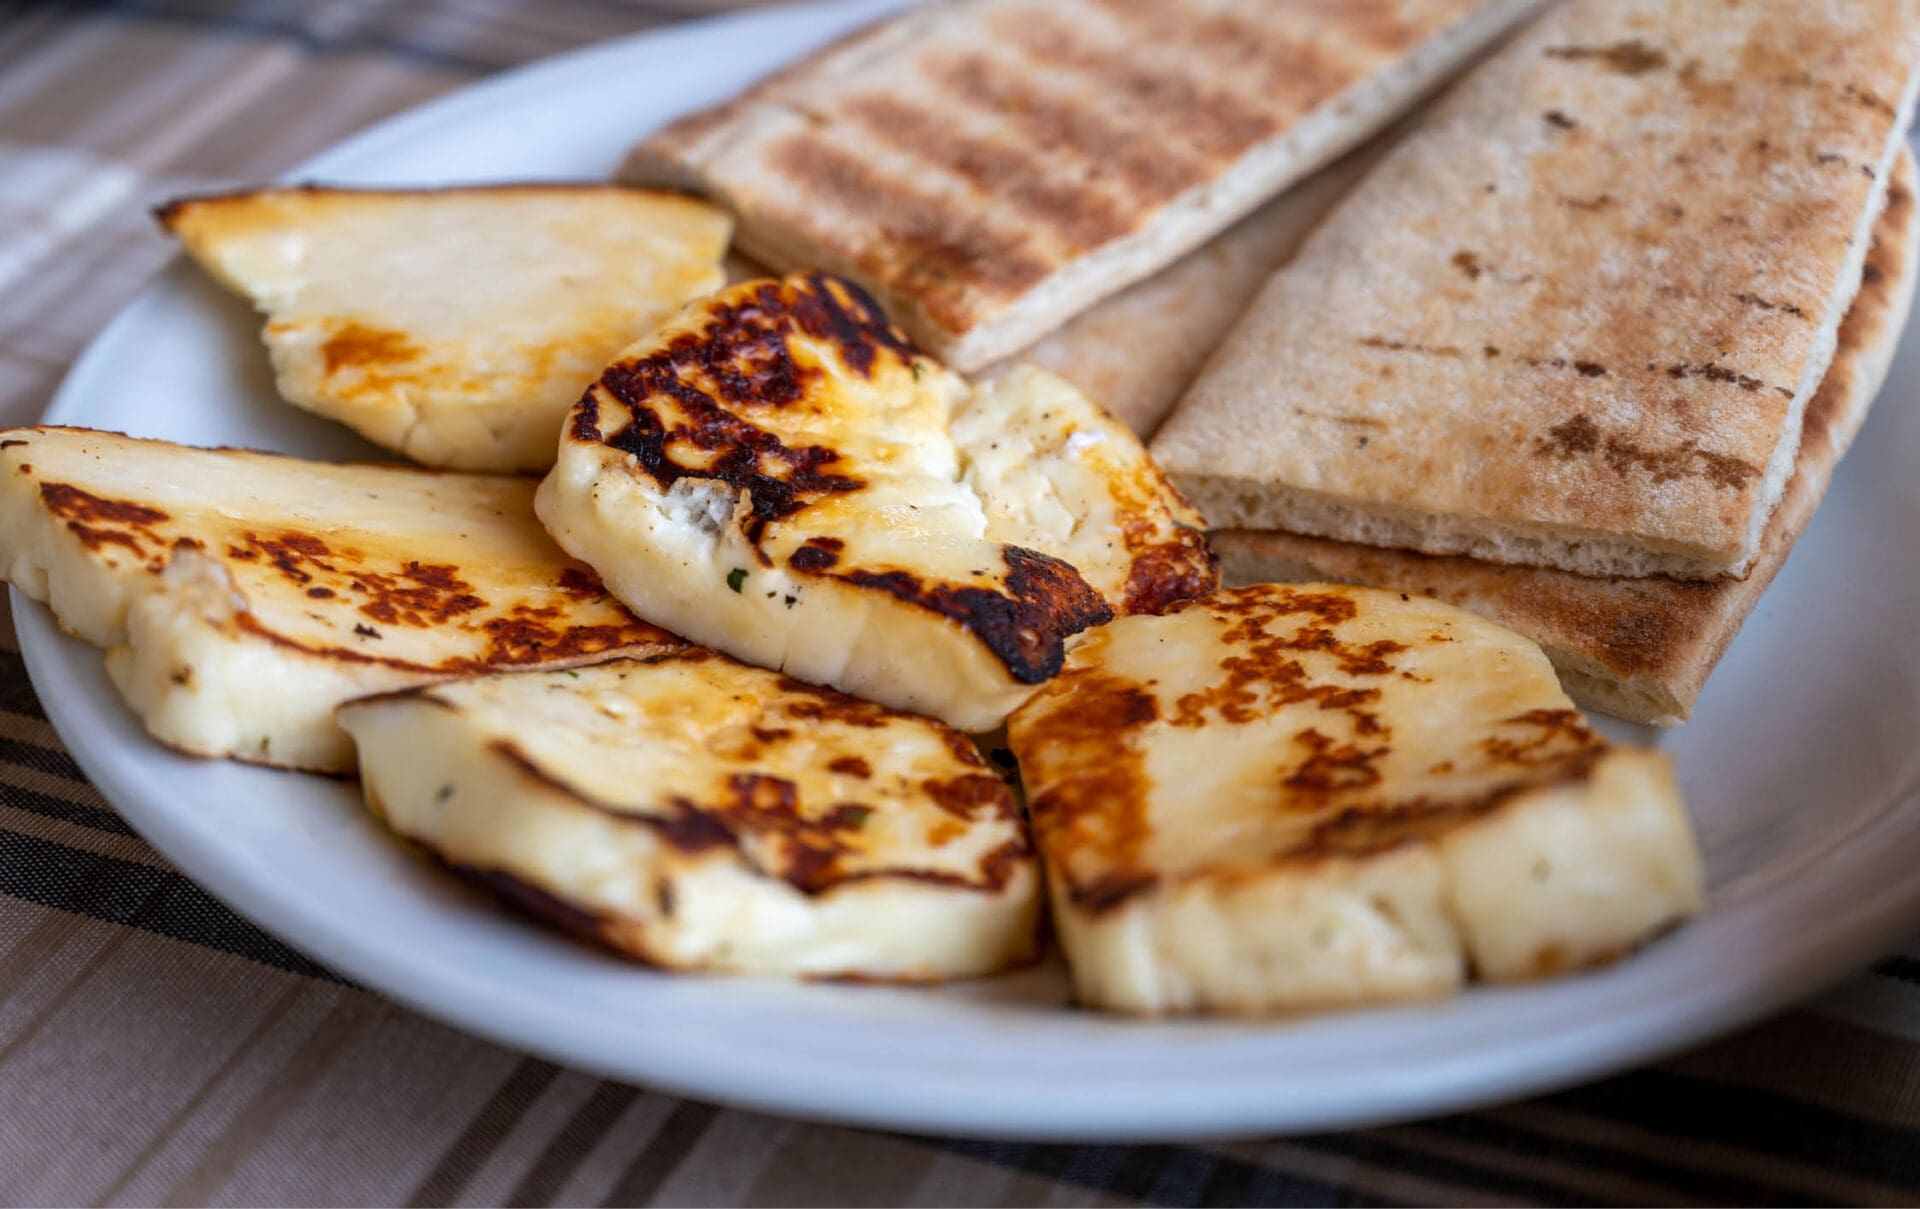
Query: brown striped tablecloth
[[155, 1048]]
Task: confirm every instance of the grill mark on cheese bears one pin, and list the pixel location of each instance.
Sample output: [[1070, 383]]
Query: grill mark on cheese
[[359, 346], [1546, 736], [413, 593], [764, 821], [1077, 217], [531, 634], [1025, 626], [99, 521], [1263, 674], [742, 355], [1096, 803]]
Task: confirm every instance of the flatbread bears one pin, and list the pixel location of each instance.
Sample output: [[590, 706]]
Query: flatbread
[[1573, 319], [990, 168], [1139, 350], [1641, 649]]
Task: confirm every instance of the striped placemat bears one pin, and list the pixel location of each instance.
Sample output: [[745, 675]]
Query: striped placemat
[[156, 1048]]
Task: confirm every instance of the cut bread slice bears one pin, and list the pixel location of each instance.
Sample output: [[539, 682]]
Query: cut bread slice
[[455, 326], [242, 596], [1574, 317], [990, 168], [1286, 798], [1137, 351], [1642, 649], [779, 475], [703, 815]]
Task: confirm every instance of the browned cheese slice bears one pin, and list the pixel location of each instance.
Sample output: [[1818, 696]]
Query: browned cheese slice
[[242, 596], [1283, 798]]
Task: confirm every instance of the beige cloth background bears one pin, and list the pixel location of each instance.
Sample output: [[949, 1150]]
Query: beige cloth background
[[154, 1048]]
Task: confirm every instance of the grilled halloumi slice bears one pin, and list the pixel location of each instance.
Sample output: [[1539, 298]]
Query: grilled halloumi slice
[[242, 596], [704, 815], [454, 325], [778, 474], [1282, 798]]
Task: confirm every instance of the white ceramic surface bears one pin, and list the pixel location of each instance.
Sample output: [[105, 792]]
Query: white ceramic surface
[[1802, 765]]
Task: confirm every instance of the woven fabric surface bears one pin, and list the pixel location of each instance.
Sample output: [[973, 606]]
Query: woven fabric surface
[[157, 1048]]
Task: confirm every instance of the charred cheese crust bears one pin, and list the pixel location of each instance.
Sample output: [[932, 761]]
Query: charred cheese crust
[[779, 474], [703, 815], [241, 596], [453, 325], [1301, 797]]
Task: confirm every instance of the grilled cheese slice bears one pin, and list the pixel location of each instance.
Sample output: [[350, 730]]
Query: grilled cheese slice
[[242, 596], [779, 475], [454, 326], [1282, 798], [703, 815]]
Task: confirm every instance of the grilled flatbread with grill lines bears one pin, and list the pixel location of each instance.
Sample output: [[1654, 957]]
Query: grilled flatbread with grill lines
[[1574, 318], [990, 168]]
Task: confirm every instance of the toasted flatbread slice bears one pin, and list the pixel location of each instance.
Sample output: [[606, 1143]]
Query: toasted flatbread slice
[[1138, 351], [779, 475], [703, 815], [1642, 649], [242, 596], [990, 168], [1285, 798], [1574, 318], [455, 326]]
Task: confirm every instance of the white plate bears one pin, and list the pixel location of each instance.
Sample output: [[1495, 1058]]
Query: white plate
[[1801, 766]]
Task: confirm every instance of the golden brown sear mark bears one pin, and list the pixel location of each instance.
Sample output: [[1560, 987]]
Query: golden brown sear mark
[[358, 346], [851, 766], [529, 634], [98, 521], [1025, 623], [1547, 735], [683, 399], [1097, 806], [810, 842], [1265, 674]]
